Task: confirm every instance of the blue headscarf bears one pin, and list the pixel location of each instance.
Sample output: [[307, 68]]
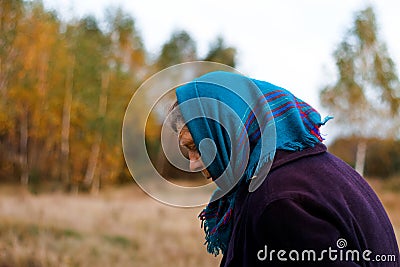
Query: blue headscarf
[[246, 120]]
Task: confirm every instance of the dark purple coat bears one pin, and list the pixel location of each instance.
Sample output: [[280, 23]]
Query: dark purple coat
[[311, 201]]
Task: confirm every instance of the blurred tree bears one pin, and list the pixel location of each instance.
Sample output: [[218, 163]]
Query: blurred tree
[[11, 15], [127, 67], [365, 99], [66, 120], [179, 48], [128, 54], [221, 53], [88, 53], [28, 90], [64, 94]]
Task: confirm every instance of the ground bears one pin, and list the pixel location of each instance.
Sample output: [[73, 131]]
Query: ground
[[119, 227]]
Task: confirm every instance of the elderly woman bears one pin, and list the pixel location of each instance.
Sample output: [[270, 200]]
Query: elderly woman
[[306, 207]]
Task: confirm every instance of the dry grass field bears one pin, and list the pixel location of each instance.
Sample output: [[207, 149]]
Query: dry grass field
[[119, 227]]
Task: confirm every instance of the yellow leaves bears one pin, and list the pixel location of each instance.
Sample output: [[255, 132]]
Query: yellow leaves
[[153, 129], [34, 42], [6, 123], [55, 81]]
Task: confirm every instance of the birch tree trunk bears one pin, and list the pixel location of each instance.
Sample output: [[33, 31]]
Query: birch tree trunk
[[90, 177], [66, 124], [23, 154], [38, 120], [361, 156]]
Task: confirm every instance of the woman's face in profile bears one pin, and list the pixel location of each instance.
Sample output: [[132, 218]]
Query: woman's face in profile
[[187, 143]]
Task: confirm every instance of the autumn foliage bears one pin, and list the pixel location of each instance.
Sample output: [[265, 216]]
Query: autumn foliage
[[64, 88]]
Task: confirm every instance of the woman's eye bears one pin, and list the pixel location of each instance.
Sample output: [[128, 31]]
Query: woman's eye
[[185, 151], [191, 148]]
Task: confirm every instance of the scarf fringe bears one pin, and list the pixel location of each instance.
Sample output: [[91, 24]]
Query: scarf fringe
[[325, 120], [217, 230]]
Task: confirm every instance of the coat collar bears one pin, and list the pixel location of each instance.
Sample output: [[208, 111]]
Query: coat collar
[[284, 156]]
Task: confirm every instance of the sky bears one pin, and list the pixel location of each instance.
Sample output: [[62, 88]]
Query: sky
[[288, 43]]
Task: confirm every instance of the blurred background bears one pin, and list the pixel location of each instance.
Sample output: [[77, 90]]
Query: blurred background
[[69, 68]]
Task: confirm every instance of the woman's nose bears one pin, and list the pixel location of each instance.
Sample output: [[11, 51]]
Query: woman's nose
[[196, 165]]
